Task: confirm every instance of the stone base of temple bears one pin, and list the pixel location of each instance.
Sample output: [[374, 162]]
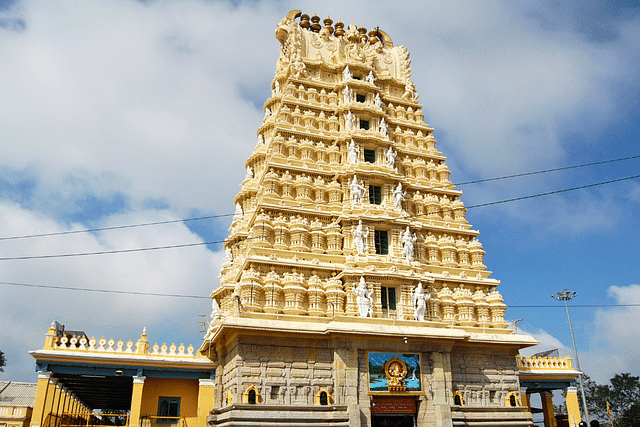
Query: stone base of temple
[[478, 416], [278, 415]]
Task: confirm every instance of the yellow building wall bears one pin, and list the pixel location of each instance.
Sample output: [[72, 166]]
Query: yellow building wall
[[186, 390]]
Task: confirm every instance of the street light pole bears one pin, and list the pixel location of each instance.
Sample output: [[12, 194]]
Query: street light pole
[[565, 296]]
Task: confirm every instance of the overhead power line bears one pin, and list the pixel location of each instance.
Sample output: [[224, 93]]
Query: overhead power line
[[158, 294], [116, 251], [545, 171], [201, 218]]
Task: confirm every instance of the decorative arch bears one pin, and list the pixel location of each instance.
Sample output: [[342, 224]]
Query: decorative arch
[[512, 399], [321, 395], [458, 399], [251, 395]]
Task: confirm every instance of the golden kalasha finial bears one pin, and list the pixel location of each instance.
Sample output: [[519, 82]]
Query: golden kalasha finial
[[304, 21], [374, 36], [315, 26], [327, 24], [363, 33], [339, 29]]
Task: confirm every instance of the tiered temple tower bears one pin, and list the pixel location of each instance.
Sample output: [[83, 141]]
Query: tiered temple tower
[[350, 247]]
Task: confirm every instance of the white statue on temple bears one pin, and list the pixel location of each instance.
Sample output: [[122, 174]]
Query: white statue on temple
[[354, 152], [408, 242], [419, 300], [360, 237], [260, 139], [276, 87], [346, 94], [348, 120], [383, 127], [216, 314], [228, 258], [267, 112], [238, 214], [346, 73], [370, 77], [378, 101], [390, 157], [249, 174], [398, 196], [363, 299], [357, 190]]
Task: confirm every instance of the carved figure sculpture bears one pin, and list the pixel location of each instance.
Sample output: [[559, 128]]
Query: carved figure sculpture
[[354, 152], [419, 300], [378, 101], [383, 127], [363, 299], [346, 94], [348, 119], [357, 190], [249, 174], [267, 112], [260, 139], [228, 258], [238, 214], [346, 73], [215, 310], [370, 77], [398, 196], [360, 237], [390, 157], [408, 241]]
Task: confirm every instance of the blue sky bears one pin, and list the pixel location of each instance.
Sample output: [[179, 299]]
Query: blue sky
[[123, 112]]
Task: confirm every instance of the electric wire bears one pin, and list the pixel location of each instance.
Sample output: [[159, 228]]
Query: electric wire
[[184, 245], [517, 175], [201, 218]]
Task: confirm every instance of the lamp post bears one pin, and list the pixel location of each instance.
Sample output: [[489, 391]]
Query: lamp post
[[565, 296]]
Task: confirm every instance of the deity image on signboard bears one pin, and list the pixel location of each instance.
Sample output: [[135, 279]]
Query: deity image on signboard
[[401, 369]]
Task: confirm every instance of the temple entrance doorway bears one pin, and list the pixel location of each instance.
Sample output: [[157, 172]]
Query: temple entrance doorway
[[393, 412]]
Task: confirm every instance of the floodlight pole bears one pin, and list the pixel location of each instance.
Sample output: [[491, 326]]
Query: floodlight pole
[[565, 296]]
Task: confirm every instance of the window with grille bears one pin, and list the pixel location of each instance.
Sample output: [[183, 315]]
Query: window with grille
[[168, 407], [375, 195], [381, 242], [369, 156]]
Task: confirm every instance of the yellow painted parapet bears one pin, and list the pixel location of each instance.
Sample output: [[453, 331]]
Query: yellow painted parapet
[[141, 347], [527, 363]]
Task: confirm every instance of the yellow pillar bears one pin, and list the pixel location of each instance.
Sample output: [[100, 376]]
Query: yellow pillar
[[206, 397], [136, 401], [573, 407], [40, 402], [51, 399], [547, 409]]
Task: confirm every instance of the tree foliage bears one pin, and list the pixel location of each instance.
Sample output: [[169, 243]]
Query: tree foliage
[[3, 361], [623, 394]]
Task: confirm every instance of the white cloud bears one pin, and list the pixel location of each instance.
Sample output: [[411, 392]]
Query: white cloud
[[26, 312], [546, 342], [614, 343]]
